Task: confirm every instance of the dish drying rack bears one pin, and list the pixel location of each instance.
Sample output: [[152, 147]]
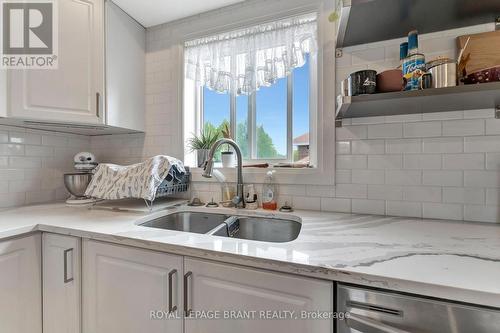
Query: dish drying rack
[[167, 190]]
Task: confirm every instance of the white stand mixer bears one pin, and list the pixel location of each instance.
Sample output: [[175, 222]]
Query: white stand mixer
[[76, 182]]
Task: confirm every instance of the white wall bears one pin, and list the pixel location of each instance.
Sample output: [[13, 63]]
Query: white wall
[[32, 164]]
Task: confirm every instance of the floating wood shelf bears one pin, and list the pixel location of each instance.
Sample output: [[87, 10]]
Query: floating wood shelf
[[466, 97]]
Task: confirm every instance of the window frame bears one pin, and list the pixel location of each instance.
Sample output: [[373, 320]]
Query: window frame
[[252, 117]]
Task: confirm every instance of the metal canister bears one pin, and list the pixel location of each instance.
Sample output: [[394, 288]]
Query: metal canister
[[444, 72]]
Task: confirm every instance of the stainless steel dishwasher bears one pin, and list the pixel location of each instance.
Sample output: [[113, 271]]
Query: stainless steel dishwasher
[[385, 312]]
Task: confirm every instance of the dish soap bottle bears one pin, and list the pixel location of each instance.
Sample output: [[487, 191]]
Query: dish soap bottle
[[269, 193]]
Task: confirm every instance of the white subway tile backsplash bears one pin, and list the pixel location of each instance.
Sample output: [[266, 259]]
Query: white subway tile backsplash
[[493, 126], [362, 206], [464, 195], [22, 162], [342, 176], [4, 136], [481, 213], [351, 191], [482, 178], [12, 200], [493, 161], [443, 115], [443, 178], [463, 161], [403, 177], [422, 193], [351, 132], [403, 146], [306, 203], [482, 144], [385, 131], [481, 113], [422, 129], [25, 138], [493, 196], [343, 147], [442, 211], [385, 192], [44, 151], [404, 208], [368, 176], [336, 205], [352, 162], [443, 145], [463, 127], [422, 161], [385, 161], [370, 147], [8, 149], [320, 191]]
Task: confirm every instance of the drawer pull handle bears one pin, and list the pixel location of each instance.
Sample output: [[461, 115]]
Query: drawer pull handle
[[171, 307], [66, 279], [187, 310]]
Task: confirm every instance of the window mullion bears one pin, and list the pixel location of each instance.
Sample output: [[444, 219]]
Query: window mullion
[[232, 106], [252, 134], [289, 118]]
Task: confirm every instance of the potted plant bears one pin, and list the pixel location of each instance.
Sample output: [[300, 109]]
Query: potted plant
[[227, 157], [202, 143]]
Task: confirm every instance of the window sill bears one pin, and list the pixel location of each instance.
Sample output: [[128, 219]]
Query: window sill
[[305, 176]]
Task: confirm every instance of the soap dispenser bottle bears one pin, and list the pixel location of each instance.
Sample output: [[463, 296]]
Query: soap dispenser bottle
[[269, 192]]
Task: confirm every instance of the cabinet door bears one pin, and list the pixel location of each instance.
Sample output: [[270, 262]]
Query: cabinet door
[[20, 285], [123, 286], [125, 70], [61, 283], [72, 93], [221, 288]]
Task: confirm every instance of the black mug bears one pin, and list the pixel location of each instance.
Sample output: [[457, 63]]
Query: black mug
[[425, 81]]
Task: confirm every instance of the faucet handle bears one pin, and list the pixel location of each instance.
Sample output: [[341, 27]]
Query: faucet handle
[[236, 200]]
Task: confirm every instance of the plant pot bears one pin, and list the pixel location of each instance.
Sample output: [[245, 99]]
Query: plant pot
[[228, 159], [201, 157]]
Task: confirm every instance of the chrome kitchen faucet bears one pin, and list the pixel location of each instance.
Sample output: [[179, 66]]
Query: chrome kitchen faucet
[[239, 199]]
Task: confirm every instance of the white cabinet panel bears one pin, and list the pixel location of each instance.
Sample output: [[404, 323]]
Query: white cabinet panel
[[219, 287], [20, 285], [122, 285], [61, 283], [125, 70], [74, 92]]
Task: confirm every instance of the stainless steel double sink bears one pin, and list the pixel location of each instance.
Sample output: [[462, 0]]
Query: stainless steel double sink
[[242, 227]]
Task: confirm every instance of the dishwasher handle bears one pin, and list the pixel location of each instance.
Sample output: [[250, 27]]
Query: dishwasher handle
[[367, 325]]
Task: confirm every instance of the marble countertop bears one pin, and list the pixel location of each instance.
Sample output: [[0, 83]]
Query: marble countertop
[[452, 260]]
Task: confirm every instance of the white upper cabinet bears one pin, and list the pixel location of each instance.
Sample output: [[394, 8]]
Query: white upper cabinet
[[73, 92], [219, 287], [99, 85], [20, 285], [61, 283], [125, 70], [123, 285]]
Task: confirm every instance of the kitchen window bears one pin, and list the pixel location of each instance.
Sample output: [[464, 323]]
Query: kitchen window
[[257, 81]]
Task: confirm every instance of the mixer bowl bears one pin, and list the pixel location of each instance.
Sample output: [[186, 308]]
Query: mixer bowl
[[76, 183]]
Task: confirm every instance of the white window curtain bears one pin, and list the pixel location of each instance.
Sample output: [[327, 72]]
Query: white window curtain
[[248, 59]]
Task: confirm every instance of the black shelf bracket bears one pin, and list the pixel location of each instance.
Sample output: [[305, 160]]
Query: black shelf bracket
[[497, 112]]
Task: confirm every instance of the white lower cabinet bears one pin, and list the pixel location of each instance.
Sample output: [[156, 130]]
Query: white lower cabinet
[[61, 283], [262, 296], [20, 285], [122, 286]]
